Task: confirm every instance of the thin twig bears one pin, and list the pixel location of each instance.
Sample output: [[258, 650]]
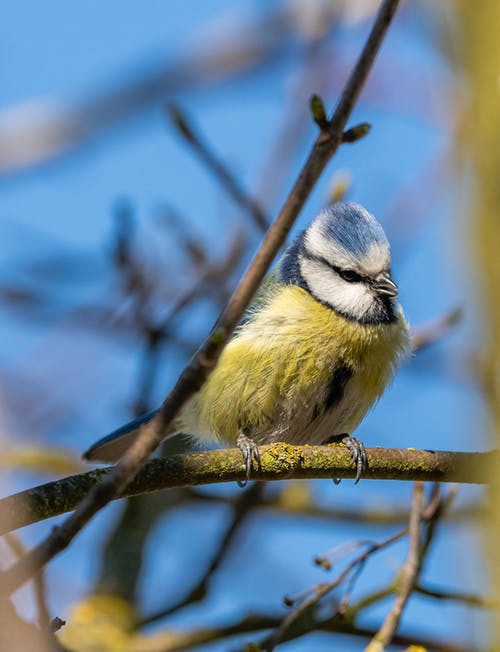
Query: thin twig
[[302, 615], [430, 333], [368, 600], [408, 576], [242, 509], [192, 136], [471, 599], [352, 571], [43, 616], [198, 370], [441, 507], [212, 279]]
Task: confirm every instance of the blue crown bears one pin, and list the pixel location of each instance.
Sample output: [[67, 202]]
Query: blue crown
[[353, 227]]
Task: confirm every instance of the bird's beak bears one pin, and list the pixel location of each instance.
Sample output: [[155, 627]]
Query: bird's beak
[[385, 286]]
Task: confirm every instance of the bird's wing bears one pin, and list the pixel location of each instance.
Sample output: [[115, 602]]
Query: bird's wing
[[111, 447]]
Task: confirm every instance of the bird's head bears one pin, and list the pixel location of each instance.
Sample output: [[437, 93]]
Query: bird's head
[[343, 260]]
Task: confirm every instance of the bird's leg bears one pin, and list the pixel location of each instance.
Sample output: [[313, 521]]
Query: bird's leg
[[250, 452], [357, 450]]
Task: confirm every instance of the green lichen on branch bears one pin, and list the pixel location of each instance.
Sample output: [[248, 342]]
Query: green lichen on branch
[[279, 461]]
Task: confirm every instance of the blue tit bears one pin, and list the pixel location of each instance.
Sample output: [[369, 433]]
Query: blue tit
[[313, 354]]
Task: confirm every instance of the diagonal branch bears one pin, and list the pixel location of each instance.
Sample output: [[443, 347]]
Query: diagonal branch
[[351, 572], [195, 374], [242, 510], [215, 164], [408, 576]]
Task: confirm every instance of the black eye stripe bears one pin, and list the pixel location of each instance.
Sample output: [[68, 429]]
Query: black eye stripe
[[348, 275]]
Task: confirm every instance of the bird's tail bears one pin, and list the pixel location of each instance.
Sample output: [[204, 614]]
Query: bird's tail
[[113, 446]]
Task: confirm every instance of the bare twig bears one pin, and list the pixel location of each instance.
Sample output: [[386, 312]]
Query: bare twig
[[43, 616], [352, 571], [327, 560], [304, 505], [350, 574], [372, 598], [279, 462], [123, 553], [304, 617], [432, 515], [430, 333], [471, 599], [212, 278], [195, 374], [219, 169], [177, 225], [242, 509], [408, 576]]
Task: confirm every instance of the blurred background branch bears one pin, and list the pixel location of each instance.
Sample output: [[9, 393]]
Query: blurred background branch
[[41, 130]]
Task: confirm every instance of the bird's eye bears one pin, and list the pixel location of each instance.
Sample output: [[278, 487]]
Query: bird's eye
[[350, 275]]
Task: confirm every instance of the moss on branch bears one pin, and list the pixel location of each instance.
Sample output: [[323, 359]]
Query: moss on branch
[[279, 461]]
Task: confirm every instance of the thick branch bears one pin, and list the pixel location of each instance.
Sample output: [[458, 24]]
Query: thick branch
[[279, 461]]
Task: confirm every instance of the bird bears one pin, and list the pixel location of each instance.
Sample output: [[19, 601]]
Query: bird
[[311, 356]]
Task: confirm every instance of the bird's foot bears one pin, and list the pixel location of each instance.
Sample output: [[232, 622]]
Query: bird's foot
[[250, 452], [357, 451]]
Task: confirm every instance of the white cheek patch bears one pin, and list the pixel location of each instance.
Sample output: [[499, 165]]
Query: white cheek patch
[[353, 299]]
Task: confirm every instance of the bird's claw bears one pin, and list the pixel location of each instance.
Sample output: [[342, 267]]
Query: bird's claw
[[357, 451], [358, 455], [250, 452]]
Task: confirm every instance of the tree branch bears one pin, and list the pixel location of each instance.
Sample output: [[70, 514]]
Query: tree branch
[[242, 510], [297, 499], [221, 171], [279, 462], [470, 599], [351, 573], [407, 579]]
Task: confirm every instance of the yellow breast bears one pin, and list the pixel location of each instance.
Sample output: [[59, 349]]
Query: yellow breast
[[273, 379]]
